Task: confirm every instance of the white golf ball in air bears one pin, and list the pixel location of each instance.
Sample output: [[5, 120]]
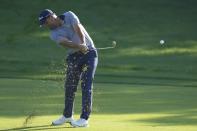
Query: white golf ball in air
[[114, 43], [162, 42]]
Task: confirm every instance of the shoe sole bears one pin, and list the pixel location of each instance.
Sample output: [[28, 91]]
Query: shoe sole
[[77, 126]]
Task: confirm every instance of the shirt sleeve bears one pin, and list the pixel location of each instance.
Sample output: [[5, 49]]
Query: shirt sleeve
[[56, 38], [73, 18]]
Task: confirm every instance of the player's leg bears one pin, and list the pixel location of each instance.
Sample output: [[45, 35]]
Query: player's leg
[[88, 72], [72, 79], [87, 85]]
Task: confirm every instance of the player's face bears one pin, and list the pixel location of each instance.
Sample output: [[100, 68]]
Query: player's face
[[50, 22]]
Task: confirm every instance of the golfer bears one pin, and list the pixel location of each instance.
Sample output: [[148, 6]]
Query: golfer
[[67, 31]]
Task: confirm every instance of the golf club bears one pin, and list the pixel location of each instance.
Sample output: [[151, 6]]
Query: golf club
[[105, 48]]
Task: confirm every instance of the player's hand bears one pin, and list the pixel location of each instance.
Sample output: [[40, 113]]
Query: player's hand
[[83, 48]]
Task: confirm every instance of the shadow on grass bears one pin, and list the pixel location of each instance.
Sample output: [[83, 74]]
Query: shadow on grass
[[171, 120], [35, 128]]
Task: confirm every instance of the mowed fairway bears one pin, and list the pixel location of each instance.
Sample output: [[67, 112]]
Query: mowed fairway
[[116, 106]]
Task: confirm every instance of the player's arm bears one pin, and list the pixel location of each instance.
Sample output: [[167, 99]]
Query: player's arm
[[69, 44], [81, 46], [77, 28], [75, 23]]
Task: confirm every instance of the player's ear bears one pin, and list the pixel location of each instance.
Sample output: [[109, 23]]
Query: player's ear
[[49, 18]]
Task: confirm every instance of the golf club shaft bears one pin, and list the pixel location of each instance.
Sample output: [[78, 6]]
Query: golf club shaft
[[104, 48]]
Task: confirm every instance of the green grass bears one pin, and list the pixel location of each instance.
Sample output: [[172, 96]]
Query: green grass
[[136, 26], [154, 85], [133, 107]]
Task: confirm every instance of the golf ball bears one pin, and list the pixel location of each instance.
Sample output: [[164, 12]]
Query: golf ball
[[162, 42], [114, 43]]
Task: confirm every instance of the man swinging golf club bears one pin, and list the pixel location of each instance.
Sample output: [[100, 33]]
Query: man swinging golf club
[[67, 31]]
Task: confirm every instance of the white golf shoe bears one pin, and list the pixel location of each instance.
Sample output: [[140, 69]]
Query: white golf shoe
[[80, 123], [62, 120]]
